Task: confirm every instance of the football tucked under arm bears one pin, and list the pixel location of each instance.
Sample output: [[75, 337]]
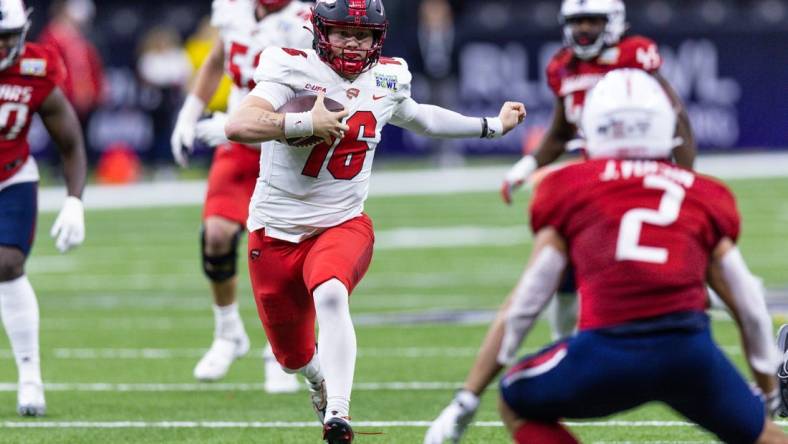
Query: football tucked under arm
[[434, 121], [300, 108]]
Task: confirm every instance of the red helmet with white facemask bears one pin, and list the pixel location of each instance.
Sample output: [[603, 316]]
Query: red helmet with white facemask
[[366, 14]]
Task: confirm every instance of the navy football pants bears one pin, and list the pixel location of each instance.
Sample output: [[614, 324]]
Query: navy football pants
[[596, 373]]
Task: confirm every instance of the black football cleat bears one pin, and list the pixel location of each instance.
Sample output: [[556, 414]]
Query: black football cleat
[[782, 371], [337, 431]]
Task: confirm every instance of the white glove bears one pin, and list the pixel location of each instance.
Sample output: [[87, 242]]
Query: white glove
[[454, 419], [211, 131], [182, 140], [516, 177], [69, 227]]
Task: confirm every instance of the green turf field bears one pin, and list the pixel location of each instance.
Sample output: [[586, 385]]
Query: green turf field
[[131, 307]]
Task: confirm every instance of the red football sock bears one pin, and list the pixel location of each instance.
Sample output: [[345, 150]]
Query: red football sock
[[543, 433]]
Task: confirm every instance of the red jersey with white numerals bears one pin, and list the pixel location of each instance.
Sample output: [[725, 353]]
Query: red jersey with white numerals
[[23, 88], [570, 78], [640, 234], [244, 37]]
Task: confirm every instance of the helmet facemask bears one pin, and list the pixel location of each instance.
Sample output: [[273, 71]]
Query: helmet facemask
[[613, 11], [353, 14], [9, 55], [14, 24]]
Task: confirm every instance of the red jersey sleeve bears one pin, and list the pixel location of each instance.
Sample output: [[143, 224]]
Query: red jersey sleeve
[[56, 68], [556, 70], [639, 52], [551, 201], [721, 211]]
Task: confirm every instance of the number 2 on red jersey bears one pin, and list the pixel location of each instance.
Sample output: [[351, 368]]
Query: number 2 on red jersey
[[628, 245]]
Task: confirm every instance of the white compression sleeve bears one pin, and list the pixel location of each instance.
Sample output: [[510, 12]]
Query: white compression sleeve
[[336, 344], [750, 306], [434, 121], [19, 309], [536, 286]]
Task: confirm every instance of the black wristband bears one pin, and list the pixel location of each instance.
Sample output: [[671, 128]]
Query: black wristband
[[485, 128]]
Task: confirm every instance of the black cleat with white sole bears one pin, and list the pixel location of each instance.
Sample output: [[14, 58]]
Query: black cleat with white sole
[[337, 431], [782, 371]]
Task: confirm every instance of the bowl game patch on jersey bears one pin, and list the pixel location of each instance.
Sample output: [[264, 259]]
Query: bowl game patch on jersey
[[33, 67]]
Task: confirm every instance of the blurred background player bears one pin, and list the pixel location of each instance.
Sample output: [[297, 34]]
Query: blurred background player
[[65, 32], [246, 27], [643, 332], [29, 79], [594, 43], [643, 335], [310, 242]]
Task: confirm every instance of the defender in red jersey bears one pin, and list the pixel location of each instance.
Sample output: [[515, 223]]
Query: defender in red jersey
[[29, 79], [594, 44], [644, 236]]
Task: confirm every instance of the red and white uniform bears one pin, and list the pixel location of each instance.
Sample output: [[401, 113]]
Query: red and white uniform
[[23, 88], [640, 234], [235, 166], [303, 191], [306, 218], [570, 78]]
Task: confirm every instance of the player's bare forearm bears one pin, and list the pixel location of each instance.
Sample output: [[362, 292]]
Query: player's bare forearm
[[254, 122], [210, 73], [61, 121], [553, 144], [486, 367], [685, 153]]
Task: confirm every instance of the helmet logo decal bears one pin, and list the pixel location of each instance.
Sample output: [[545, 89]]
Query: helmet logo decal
[[357, 9]]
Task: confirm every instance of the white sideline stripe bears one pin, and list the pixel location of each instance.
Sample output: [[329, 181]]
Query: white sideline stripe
[[306, 424], [391, 183], [175, 353], [210, 387]]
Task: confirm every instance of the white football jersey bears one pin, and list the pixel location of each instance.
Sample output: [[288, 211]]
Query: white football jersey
[[245, 38], [302, 191]]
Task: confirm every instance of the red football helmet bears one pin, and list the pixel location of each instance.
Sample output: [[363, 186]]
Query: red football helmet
[[273, 5], [367, 14]]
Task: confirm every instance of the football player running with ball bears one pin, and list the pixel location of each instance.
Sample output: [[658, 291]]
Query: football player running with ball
[[246, 27], [310, 241], [29, 78]]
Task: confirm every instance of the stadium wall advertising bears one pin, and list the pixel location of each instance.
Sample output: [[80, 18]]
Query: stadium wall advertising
[[732, 85]]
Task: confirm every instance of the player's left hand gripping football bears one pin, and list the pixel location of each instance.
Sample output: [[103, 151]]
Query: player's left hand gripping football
[[69, 227], [511, 115], [454, 419]]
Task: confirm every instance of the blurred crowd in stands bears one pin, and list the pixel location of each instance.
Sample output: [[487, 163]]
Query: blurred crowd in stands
[[130, 63]]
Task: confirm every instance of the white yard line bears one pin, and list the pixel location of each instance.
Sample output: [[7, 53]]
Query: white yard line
[[391, 183], [313, 424], [191, 353], [220, 387]]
